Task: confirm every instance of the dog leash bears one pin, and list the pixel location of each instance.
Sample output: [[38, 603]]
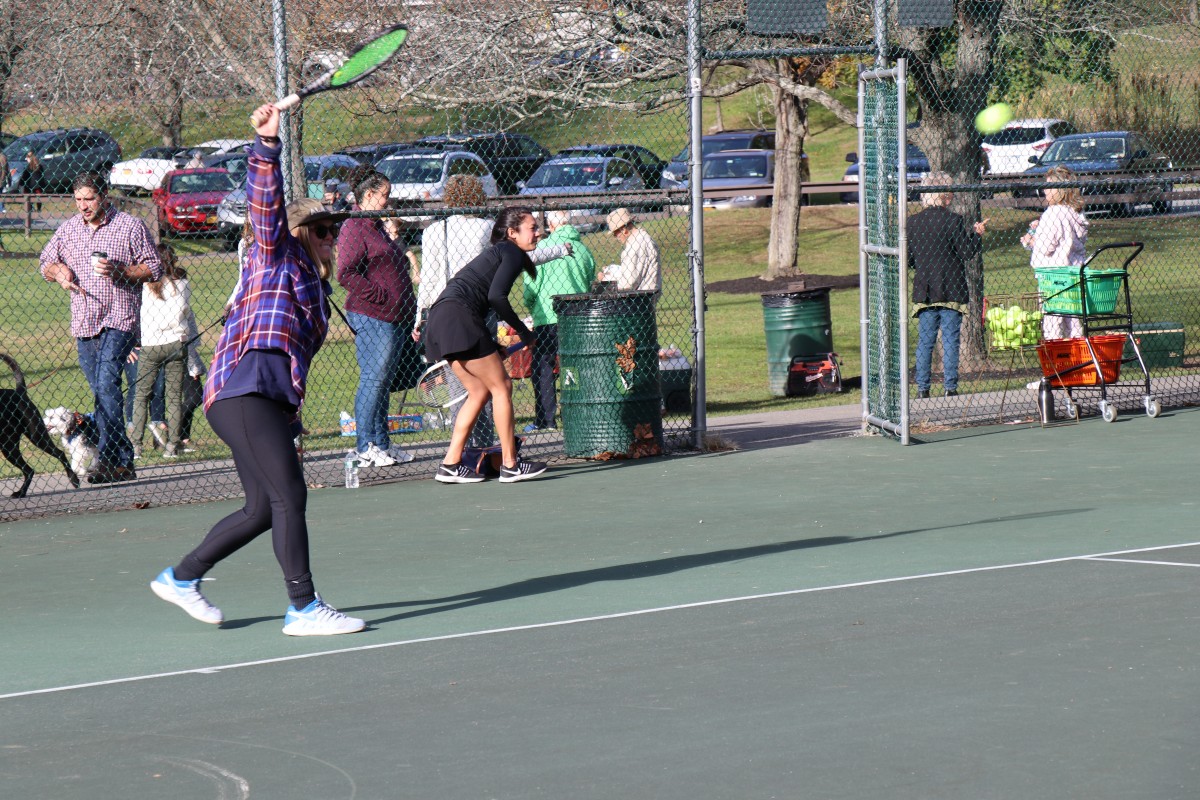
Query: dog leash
[[180, 355]]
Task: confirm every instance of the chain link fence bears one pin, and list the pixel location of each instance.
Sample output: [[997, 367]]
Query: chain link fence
[[576, 111], [1069, 130]]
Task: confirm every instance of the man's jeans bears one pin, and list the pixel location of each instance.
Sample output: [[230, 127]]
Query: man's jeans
[[102, 359], [929, 322]]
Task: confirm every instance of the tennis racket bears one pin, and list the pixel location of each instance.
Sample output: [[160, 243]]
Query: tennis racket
[[441, 388], [365, 59]]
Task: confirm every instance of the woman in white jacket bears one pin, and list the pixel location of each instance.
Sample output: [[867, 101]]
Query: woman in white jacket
[[166, 322], [1059, 239]]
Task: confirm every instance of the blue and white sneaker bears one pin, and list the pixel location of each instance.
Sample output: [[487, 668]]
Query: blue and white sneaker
[[186, 595], [319, 619]]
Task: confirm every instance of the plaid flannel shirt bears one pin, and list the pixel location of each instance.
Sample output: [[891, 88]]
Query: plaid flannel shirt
[[281, 302], [103, 303]]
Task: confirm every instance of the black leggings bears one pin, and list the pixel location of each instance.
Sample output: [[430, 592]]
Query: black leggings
[[258, 432]]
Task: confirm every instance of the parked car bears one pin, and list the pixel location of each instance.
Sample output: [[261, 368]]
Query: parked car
[[236, 164], [371, 154], [187, 200], [510, 157], [213, 146], [420, 175], [144, 173], [231, 211], [319, 169], [1108, 155], [675, 176], [916, 167], [648, 165], [1007, 151], [574, 175], [738, 169], [63, 154]]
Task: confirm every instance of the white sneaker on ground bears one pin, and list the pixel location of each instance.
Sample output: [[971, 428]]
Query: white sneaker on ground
[[319, 619], [186, 595], [401, 455], [374, 457]]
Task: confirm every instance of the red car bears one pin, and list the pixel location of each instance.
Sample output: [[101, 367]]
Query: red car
[[187, 200]]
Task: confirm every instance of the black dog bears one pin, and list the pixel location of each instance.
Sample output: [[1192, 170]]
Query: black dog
[[19, 417]]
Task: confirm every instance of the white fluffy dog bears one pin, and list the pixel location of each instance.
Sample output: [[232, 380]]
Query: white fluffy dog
[[78, 435]]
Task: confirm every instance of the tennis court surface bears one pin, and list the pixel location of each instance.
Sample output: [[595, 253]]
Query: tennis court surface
[[1004, 613]]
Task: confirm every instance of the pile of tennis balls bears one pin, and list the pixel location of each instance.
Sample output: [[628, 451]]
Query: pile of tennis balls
[[1013, 327]]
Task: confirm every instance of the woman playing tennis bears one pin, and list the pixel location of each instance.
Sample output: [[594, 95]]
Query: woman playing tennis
[[256, 387], [456, 331]]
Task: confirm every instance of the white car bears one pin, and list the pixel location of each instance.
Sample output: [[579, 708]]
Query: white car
[[1007, 151], [421, 175], [144, 173], [214, 146]]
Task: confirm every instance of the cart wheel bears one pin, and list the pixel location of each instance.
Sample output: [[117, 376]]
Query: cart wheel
[[1073, 410], [1153, 407], [1108, 411]]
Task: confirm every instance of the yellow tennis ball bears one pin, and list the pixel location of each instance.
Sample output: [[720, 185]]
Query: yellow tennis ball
[[993, 118]]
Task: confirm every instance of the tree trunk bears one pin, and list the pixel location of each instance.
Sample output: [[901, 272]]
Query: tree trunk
[[791, 128], [170, 125]]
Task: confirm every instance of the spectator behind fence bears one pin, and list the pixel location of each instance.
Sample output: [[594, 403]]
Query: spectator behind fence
[[106, 297], [256, 387], [374, 269], [640, 267], [569, 274], [166, 320], [1059, 239], [31, 179], [939, 246]]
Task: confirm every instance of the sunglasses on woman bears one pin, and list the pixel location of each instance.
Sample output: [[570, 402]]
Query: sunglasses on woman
[[321, 230]]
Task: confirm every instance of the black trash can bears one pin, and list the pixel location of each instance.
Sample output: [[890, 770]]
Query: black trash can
[[608, 374], [797, 324]]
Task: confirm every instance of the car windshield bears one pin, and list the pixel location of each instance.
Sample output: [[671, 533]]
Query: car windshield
[[1088, 148], [196, 182], [412, 170], [16, 151], [1011, 136], [578, 173], [159, 152], [710, 146], [735, 167]]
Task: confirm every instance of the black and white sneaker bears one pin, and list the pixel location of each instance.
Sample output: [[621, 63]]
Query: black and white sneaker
[[523, 471], [457, 473]]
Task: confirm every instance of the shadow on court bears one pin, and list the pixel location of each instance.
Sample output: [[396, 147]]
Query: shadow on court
[[982, 617]]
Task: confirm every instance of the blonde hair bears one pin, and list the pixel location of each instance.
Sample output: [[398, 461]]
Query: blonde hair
[[303, 234], [931, 199], [1063, 195]]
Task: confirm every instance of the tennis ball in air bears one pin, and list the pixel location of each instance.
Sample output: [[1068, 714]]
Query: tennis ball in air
[[993, 118]]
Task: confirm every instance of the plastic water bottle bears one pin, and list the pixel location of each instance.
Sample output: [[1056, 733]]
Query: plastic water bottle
[[352, 469], [1032, 231], [431, 421]]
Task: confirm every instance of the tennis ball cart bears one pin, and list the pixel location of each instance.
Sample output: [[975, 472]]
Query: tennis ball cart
[[1100, 300]]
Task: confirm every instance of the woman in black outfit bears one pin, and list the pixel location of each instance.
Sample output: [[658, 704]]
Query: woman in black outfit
[[455, 331]]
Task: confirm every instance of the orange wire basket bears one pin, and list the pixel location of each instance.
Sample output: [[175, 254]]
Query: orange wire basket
[[1067, 362]]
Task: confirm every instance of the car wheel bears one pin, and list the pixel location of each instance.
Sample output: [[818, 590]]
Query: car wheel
[[1164, 206]]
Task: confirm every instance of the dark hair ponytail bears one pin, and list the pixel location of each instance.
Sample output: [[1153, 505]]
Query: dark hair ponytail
[[364, 178], [510, 217]]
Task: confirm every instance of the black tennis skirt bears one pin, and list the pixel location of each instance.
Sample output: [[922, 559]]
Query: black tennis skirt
[[454, 333]]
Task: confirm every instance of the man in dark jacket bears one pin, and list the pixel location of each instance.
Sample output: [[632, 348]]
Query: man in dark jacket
[[939, 246]]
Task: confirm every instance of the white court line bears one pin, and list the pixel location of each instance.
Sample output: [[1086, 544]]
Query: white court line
[[562, 623], [1142, 561]]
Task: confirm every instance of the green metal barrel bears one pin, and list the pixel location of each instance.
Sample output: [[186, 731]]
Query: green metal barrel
[[796, 324], [608, 374]]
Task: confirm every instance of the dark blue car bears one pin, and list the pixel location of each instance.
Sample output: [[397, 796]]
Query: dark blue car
[[916, 167], [1108, 156]]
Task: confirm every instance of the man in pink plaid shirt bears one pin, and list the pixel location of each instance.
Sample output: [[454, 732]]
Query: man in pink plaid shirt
[[106, 299]]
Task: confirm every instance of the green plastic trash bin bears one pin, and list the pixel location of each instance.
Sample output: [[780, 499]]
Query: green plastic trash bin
[[608, 374], [797, 324]]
